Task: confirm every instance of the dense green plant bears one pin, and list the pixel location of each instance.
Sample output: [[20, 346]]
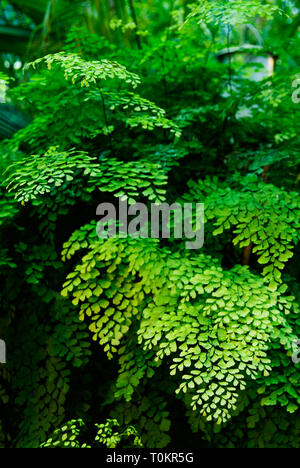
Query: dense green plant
[[160, 338]]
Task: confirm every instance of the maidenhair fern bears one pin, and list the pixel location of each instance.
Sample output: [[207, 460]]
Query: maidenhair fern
[[87, 73], [190, 312], [167, 346], [261, 217], [231, 13], [39, 175]]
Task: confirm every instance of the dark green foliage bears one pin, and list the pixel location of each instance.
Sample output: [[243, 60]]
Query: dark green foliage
[[143, 333]]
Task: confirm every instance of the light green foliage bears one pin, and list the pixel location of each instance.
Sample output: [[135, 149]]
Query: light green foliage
[[87, 73], [98, 107], [189, 310], [39, 175], [258, 214], [141, 112], [108, 435], [231, 12]]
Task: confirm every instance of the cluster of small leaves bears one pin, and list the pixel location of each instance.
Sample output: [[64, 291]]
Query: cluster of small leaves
[[138, 111], [75, 114], [131, 179], [87, 73], [67, 436], [256, 213], [267, 415], [192, 311], [38, 175], [108, 327], [109, 434], [271, 420], [282, 389], [68, 113], [231, 12]]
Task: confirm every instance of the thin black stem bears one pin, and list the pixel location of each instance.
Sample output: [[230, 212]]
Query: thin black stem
[[106, 121], [134, 17]]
